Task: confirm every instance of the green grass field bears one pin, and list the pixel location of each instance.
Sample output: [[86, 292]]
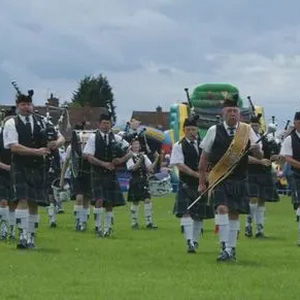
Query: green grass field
[[154, 265]]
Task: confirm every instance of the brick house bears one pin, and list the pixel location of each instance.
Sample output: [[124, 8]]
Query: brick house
[[77, 114], [157, 119]]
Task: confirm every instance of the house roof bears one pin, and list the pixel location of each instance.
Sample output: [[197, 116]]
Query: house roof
[[77, 114], [153, 118]]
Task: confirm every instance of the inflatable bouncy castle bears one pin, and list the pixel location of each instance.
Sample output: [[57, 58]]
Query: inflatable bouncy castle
[[207, 103]]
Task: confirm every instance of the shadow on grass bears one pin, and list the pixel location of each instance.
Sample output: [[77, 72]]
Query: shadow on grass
[[46, 250], [249, 263], [270, 238]]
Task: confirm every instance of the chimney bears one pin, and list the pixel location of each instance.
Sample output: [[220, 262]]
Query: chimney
[[53, 101], [159, 109]]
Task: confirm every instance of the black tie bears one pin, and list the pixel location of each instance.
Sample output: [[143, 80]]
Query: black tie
[[231, 130], [193, 143], [28, 125], [105, 139]]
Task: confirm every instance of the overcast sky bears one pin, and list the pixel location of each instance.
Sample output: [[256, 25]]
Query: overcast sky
[[150, 50]]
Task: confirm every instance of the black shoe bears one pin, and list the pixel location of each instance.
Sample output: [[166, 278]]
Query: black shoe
[[225, 256], [151, 226], [22, 244], [196, 244], [99, 232], [30, 242], [82, 227], [260, 235], [191, 247], [53, 224], [297, 218], [259, 231], [248, 231], [107, 233], [135, 226]]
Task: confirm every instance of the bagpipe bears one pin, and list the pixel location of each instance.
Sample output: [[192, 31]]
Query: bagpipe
[[271, 145], [130, 135], [48, 130], [78, 141]]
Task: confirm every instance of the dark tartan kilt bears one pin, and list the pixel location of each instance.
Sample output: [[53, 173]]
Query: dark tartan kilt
[[295, 188], [106, 187], [138, 190], [262, 186], [30, 184], [233, 193], [5, 187], [82, 185], [186, 195]]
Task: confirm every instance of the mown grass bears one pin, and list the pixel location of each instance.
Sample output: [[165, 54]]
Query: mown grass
[[152, 265]]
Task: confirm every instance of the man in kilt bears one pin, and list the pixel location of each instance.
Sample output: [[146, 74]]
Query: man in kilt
[[105, 150], [81, 185], [7, 207], [139, 166], [262, 186], [230, 196], [185, 156], [291, 151], [26, 136]]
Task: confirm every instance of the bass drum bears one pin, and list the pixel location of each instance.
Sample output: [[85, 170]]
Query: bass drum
[[78, 142], [160, 184]]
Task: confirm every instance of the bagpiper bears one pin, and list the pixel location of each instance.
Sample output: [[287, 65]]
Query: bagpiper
[[225, 149], [185, 156], [262, 186], [105, 151], [30, 141]]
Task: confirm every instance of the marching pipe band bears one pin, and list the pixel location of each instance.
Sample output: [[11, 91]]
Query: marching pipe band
[[95, 156]]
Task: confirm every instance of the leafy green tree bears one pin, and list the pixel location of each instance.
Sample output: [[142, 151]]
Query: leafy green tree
[[94, 92]]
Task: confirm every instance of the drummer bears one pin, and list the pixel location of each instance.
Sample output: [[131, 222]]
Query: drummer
[[139, 165]]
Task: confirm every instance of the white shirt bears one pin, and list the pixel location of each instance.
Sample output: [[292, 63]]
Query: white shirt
[[90, 148], [210, 136], [286, 148], [10, 133], [130, 163], [177, 156]]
